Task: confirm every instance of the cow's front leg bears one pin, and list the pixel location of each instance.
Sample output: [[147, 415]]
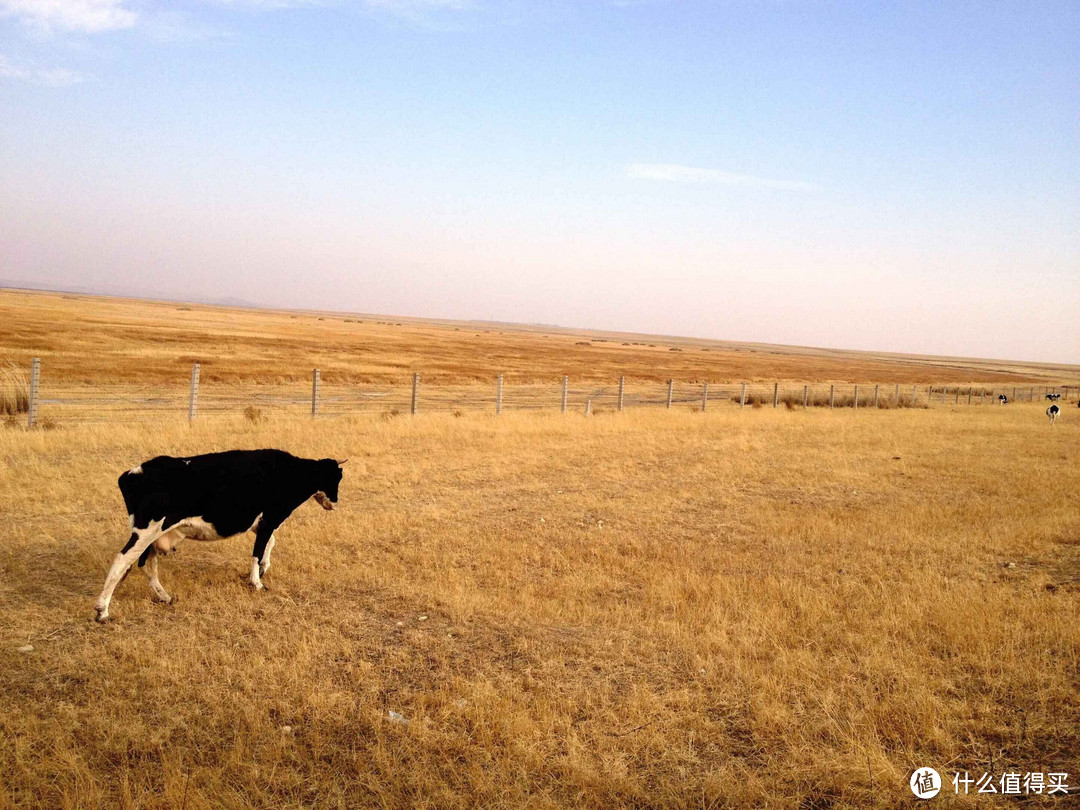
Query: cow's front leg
[[264, 561], [260, 554], [140, 540]]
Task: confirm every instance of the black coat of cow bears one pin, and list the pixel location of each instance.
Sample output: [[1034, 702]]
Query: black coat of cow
[[214, 496]]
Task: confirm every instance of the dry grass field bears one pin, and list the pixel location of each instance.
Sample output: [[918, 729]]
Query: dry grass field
[[93, 341], [758, 608]]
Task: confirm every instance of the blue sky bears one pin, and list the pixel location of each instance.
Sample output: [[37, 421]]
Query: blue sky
[[900, 176]]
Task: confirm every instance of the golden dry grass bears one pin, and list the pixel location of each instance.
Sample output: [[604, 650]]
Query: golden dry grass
[[14, 391], [662, 609], [83, 339]]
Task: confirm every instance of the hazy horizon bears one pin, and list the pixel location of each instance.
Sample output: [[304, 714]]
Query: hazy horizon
[[566, 328], [902, 179]]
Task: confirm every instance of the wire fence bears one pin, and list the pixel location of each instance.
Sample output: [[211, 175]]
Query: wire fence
[[66, 403]]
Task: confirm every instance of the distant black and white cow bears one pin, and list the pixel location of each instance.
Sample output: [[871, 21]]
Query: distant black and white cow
[[1053, 412], [1002, 399], [1053, 397], [211, 497]]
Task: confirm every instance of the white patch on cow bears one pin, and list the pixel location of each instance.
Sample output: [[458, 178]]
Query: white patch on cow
[[195, 528], [136, 470], [187, 460], [255, 525], [255, 581]]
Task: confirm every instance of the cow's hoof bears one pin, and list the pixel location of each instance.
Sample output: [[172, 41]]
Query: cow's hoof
[[169, 601], [101, 616]]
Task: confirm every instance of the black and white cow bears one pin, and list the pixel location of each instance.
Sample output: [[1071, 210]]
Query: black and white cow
[[1053, 412], [1002, 399], [211, 497], [1053, 397]]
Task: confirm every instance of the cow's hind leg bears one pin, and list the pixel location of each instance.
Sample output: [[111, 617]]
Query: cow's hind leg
[[149, 564], [140, 540]]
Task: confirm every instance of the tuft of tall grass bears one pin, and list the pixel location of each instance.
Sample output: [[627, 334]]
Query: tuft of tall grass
[[254, 415], [14, 391]]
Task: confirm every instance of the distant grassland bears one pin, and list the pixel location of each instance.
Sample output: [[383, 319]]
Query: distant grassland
[[95, 340], [756, 608]]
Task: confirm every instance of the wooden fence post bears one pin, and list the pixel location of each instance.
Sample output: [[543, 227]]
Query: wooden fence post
[[588, 407], [957, 401], [742, 396], [704, 397], [415, 393], [498, 396], [856, 405], [805, 395], [670, 391], [565, 380], [622, 386], [775, 394], [969, 395], [35, 382], [875, 396], [832, 396], [896, 394], [315, 392], [1031, 395], [193, 400]]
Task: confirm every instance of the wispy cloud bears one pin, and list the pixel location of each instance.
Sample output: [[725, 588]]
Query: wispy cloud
[[90, 16], [673, 173], [50, 77]]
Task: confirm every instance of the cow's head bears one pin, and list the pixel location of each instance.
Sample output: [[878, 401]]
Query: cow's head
[[328, 480]]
